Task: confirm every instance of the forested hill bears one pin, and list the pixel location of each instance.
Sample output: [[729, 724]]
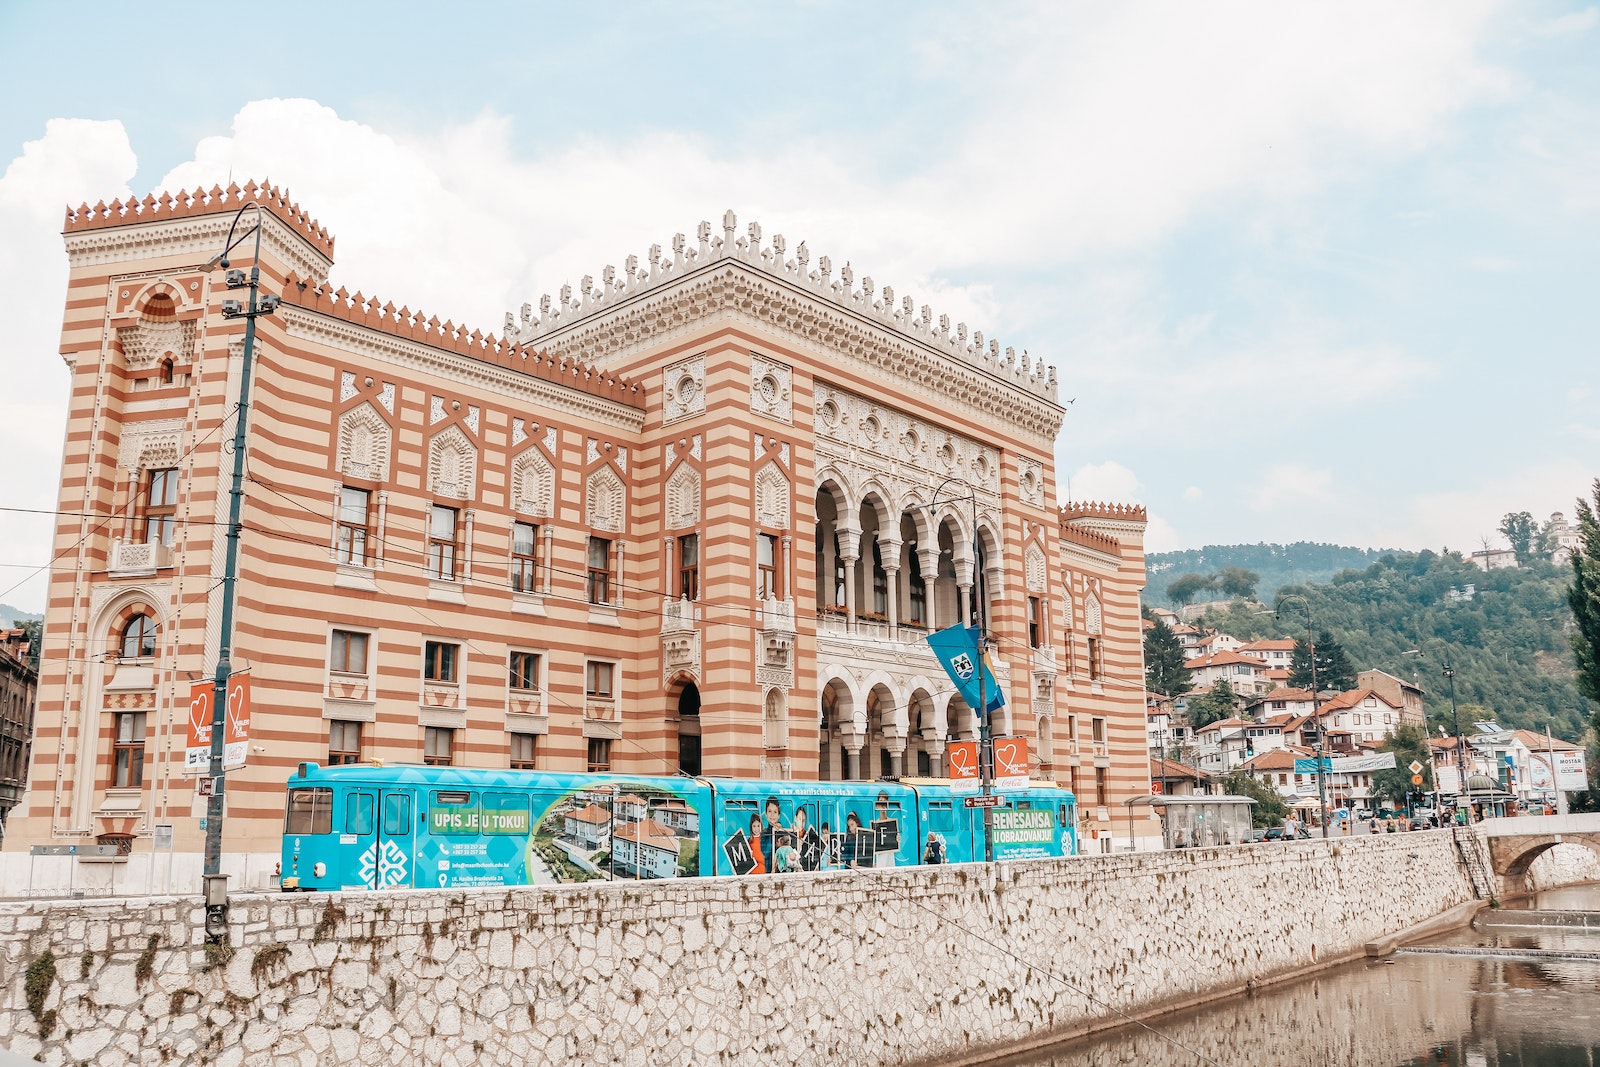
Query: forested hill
[[1277, 565], [1507, 638]]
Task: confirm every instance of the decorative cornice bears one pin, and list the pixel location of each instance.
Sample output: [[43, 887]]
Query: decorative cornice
[[949, 348], [1081, 509], [200, 202], [466, 370], [199, 237]]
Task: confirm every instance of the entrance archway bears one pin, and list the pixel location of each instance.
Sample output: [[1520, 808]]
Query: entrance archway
[[689, 729]]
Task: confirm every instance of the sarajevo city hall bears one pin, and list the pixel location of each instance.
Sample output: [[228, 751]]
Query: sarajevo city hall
[[697, 515]]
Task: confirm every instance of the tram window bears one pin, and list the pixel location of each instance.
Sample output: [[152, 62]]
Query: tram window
[[452, 798], [941, 816], [310, 812], [358, 813], [1023, 805], [396, 814], [505, 813]]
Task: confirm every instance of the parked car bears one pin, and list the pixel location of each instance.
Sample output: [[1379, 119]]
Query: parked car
[[1251, 837], [1276, 833], [1363, 814]]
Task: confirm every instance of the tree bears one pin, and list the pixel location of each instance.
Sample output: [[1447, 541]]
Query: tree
[[1584, 598], [1236, 581], [1409, 745], [1269, 808], [1183, 590], [35, 629], [1213, 706], [1164, 668], [1522, 532], [1333, 665]]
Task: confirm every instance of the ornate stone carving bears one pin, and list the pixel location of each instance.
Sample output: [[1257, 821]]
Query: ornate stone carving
[[605, 500], [682, 504], [386, 397], [473, 415], [148, 445], [550, 439], [452, 464], [684, 385], [519, 431], [1092, 621], [533, 484], [347, 386], [1030, 482], [771, 388], [1034, 568], [363, 444], [680, 654], [153, 339], [436, 413], [772, 497]]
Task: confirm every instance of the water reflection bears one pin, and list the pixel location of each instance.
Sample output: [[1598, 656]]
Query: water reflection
[[1421, 1011]]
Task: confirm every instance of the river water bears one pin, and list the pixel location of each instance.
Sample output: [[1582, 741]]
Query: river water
[[1410, 1010]]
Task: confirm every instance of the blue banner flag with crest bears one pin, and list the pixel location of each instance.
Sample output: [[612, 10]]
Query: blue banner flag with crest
[[956, 648]]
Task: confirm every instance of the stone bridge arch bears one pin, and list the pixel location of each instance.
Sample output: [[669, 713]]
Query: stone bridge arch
[[1514, 848]]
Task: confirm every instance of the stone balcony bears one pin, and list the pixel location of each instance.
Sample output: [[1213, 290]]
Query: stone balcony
[[137, 559]]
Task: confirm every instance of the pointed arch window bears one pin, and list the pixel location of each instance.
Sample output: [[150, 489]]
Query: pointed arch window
[[139, 637]]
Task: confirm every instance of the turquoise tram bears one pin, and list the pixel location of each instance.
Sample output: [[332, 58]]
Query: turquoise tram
[[391, 827]]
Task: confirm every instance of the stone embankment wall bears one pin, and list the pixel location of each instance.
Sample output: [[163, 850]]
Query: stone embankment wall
[[1564, 865], [940, 965]]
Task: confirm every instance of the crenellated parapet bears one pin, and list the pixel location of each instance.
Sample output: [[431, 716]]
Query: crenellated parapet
[[168, 206], [866, 299], [1089, 539], [371, 313], [1094, 509]]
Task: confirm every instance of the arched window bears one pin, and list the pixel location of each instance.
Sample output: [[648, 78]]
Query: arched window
[[139, 637]]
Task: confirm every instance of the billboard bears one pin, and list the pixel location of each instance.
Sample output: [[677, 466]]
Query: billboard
[[1010, 763], [1572, 772], [963, 759]]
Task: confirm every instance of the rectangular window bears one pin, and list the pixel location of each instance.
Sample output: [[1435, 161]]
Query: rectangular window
[[1101, 792], [358, 813], [1097, 730], [599, 570], [597, 679], [599, 754], [689, 567], [1095, 666], [442, 543], [354, 509], [767, 567], [524, 670], [344, 743], [396, 814], [1035, 623], [160, 505], [439, 661], [438, 746], [524, 556], [349, 652], [524, 752], [128, 757], [309, 811]]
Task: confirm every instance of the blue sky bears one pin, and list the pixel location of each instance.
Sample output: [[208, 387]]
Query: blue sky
[[1319, 272]]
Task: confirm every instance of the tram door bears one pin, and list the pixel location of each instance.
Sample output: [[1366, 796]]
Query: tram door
[[395, 860], [358, 840]]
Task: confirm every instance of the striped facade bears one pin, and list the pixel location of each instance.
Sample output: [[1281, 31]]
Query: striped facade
[[697, 518]]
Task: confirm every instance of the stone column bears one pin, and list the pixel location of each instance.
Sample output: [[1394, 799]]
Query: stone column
[[622, 554], [383, 517], [671, 584], [849, 553], [548, 533], [132, 506], [785, 590], [852, 762], [964, 588], [890, 551], [929, 559], [896, 760], [333, 535], [466, 548]]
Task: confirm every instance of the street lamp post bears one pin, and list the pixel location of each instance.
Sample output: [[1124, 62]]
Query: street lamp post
[[1449, 672], [216, 883], [985, 736], [1311, 646]]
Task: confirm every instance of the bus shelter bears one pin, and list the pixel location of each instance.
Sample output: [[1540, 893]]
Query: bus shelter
[[1197, 821]]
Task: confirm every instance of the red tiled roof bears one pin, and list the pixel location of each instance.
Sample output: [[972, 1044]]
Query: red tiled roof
[[649, 833], [593, 814], [1165, 768], [1221, 659]]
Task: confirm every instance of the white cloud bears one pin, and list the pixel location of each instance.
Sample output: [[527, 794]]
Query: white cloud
[[1193, 492], [1291, 485], [75, 160], [1161, 536], [1461, 518], [1569, 24], [1493, 264], [1108, 481]]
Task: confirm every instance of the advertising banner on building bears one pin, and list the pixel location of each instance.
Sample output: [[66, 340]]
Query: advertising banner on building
[[236, 732], [1447, 779], [1010, 763], [963, 759]]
